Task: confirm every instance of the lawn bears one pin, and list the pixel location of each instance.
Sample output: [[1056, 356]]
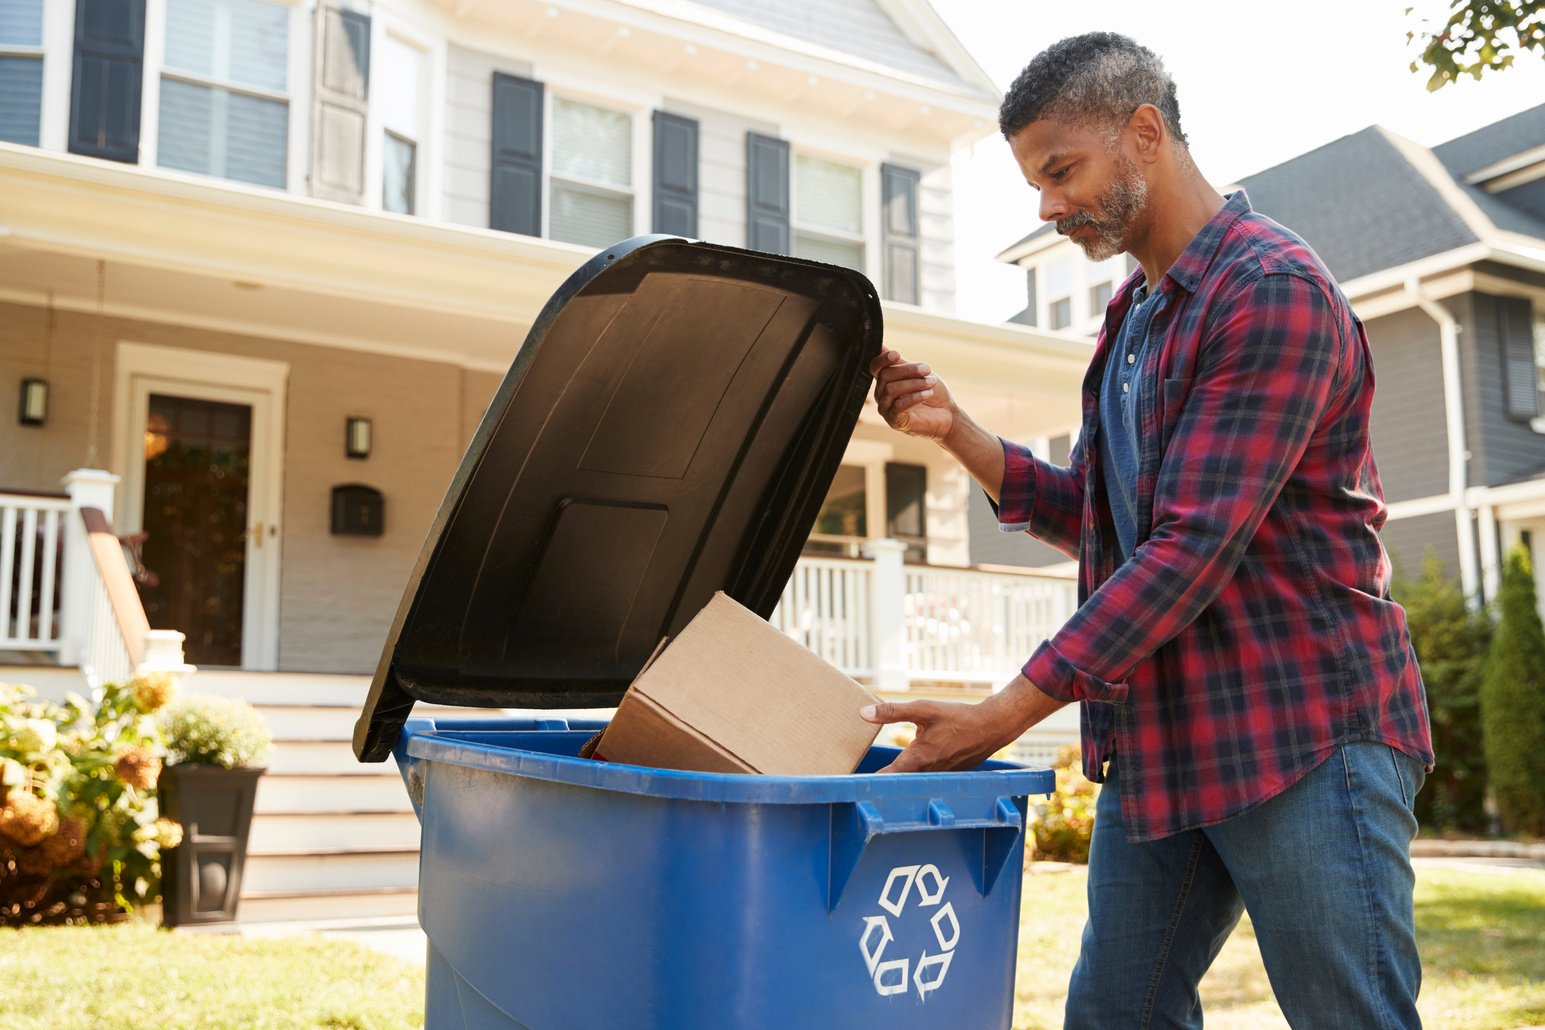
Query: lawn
[[1479, 931]]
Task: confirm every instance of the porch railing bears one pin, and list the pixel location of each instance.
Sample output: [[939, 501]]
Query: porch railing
[[893, 625], [31, 561]]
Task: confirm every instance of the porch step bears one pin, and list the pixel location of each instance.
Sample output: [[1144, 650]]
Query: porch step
[[380, 791], [356, 903], [349, 868], [326, 831]]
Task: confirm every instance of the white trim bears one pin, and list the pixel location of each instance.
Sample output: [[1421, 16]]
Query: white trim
[[1418, 507], [1525, 166], [141, 368], [58, 67], [152, 65]]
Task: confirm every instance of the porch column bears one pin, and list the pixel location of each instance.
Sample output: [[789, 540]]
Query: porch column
[[88, 488], [1491, 555], [887, 615]]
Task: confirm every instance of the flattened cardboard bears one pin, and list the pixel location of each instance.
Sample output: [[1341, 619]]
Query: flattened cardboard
[[732, 694]]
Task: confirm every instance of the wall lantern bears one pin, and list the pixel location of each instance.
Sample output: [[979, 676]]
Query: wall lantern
[[33, 407], [356, 437]]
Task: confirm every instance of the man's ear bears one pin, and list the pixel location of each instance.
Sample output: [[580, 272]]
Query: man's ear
[[1148, 132]]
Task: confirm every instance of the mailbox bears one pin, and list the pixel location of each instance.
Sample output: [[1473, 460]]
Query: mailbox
[[358, 510]]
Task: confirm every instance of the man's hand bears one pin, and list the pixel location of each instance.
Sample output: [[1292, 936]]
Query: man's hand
[[952, 736], [911, 398]]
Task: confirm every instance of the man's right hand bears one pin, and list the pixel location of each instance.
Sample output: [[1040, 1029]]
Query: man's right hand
[[911, 398]]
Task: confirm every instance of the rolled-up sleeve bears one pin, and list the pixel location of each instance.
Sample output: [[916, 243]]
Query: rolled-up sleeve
[[1039, 498]]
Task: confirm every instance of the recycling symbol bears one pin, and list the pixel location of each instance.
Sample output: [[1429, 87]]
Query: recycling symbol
[[909, 893]]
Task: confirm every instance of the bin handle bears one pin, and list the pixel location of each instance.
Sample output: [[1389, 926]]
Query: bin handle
[[855, 824]]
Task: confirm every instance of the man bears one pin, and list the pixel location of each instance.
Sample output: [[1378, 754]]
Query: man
[[1249, 694]]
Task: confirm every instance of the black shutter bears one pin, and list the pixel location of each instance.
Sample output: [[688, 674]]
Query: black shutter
[[1030, 298], [767, 194], [108, 79], [899, 232], [515, 183], [675, 175], [342, 85], [1516, 332]]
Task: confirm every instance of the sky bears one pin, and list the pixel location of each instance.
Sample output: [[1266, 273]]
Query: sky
[[1260, 81]]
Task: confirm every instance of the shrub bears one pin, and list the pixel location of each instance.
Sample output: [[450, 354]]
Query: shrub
[[1513, 703], [203, 729], [80, 838], [1451, 643], [1062, 823]]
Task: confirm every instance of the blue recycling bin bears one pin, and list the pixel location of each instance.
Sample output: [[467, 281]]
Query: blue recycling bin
[[669, 429], [559, 893]]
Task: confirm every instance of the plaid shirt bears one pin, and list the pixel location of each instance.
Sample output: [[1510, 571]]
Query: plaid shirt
[[1251, 632]]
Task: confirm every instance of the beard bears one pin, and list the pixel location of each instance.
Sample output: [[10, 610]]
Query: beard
[[1119, 206]]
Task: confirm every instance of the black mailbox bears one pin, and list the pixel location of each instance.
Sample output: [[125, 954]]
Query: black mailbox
[[358, 510]]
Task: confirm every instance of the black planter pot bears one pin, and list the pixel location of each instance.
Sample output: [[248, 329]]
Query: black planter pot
[[201, 878]]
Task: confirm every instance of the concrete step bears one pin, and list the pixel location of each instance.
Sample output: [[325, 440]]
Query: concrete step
[[283, 906], [353, 869], [297, 792], [297, 688], [296, 831]]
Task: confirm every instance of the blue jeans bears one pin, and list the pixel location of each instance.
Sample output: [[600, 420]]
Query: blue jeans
[[1324, 870]]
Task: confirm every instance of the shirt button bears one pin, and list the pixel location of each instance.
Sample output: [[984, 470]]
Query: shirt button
[[1124, 387], [1131, 358]]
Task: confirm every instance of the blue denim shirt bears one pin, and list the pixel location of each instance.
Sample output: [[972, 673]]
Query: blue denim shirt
[[1119, 418]]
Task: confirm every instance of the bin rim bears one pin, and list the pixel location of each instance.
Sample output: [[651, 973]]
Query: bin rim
[[424, 740]]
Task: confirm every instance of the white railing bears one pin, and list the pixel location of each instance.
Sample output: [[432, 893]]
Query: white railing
[[31, 556], [892, 625], [825, 606], [964, 625]]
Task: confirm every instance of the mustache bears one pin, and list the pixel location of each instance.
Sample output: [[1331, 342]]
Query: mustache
[[1073, 223]]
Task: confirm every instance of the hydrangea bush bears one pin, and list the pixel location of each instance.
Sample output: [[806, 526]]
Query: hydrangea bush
[[1062, 823], [80, 833], [203, 729]]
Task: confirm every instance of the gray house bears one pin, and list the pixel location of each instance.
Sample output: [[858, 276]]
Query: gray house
[[1442, 253]]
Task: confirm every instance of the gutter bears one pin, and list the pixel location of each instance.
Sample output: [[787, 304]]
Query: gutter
[[1458, 453]]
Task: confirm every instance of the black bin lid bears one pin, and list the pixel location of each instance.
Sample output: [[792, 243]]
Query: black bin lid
[[669, 428]]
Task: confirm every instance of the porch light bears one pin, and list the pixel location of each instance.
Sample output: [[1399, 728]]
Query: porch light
[[356, 437], [33, 407]]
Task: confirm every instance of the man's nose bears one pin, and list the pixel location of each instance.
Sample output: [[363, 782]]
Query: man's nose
[[1053, 207]]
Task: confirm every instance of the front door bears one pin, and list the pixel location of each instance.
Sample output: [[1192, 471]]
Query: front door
[[198, 462], [200, 446]]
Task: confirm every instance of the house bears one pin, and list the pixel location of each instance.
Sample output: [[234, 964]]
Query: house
[[1442, 254], [264, 262]]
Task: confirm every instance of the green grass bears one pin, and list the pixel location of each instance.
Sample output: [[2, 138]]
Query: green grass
[[132, 976], [1479, 932]]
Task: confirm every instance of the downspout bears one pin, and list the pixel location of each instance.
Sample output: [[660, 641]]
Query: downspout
[[1458, 454]]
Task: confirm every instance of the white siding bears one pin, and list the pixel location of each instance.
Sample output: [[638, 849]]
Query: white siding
[[469, 131], [936, 212]]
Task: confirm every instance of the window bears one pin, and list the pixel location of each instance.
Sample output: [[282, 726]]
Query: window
[[21, 70], [398, 93], [906, 508], [843, 523], [1059, 293], [828, 212], [591, 185], [1061, 313], [224, 101], [1099, 296]]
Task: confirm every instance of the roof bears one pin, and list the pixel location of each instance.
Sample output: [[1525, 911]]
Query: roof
[[1375, 200]]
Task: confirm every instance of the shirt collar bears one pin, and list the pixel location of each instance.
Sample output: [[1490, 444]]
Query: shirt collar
[[1193, 261]]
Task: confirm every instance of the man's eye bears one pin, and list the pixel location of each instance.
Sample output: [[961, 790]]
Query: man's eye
[[1058, 175]]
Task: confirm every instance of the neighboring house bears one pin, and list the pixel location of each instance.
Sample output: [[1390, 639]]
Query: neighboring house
[[1442, 254]]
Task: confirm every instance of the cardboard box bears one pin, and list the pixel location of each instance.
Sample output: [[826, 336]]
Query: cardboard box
[[732, 694]]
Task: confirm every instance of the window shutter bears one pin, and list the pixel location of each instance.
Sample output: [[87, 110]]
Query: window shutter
[[1032, 310], [107, 80], [515, 184], [342, 84], [767, 194], [1516, 333], [675, 175], [899, 232]]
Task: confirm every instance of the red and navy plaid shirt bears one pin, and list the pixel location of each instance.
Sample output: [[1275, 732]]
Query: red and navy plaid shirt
[[1251, 632]]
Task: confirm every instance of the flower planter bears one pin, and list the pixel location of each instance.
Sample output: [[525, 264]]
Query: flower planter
[[201, 878]]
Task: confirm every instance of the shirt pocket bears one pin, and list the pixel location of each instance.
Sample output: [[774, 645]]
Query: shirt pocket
[[1172, 400]]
